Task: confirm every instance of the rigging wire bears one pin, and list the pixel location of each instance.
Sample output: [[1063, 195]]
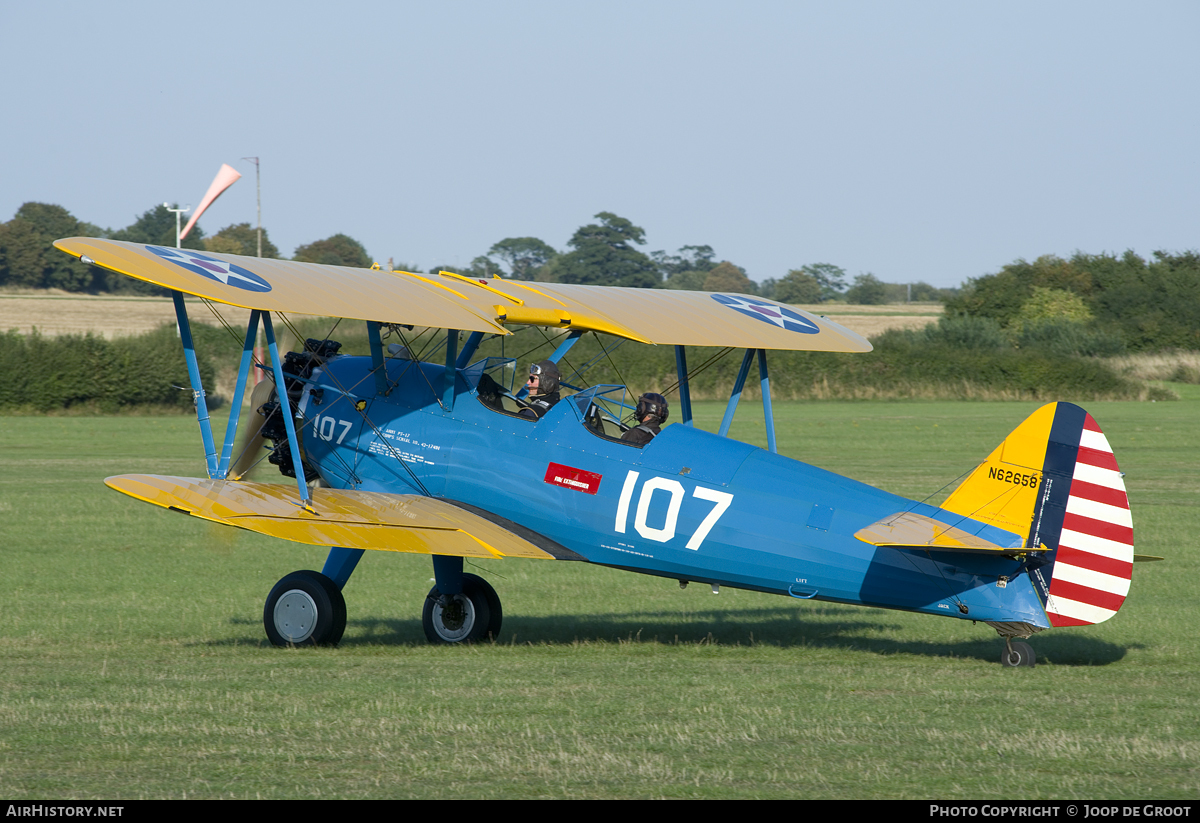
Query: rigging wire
[[603, 353], [544, 342], [612, 363], [962, 518], [435, 342], [720, 355], [420, 359], [345, 393], [378, 436], [950, 595]]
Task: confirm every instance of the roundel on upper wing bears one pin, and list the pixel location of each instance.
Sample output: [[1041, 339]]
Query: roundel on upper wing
[[213, 269], [768, 312]]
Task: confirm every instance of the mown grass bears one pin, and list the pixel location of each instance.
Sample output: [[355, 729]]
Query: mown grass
[[134, 663]]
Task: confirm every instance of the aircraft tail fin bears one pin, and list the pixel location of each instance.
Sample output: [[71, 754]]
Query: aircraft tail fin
[[1055, 480]]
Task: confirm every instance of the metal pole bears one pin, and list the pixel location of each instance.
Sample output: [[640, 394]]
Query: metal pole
[[258, 192], [178, 212]]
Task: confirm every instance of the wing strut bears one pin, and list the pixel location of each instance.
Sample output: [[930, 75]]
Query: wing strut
[[285, 409], [451, 373], [235, 411], [768, 414], [377, 360], [464, 357], [193, 367], [736, 395], [685, 392], [218, 467]]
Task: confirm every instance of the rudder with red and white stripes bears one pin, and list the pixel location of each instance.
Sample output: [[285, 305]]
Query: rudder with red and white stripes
[[1093, 563]]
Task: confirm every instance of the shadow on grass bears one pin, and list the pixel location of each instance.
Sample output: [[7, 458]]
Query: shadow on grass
[[834, 627]]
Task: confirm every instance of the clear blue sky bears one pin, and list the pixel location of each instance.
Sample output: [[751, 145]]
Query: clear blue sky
[[915, 140]]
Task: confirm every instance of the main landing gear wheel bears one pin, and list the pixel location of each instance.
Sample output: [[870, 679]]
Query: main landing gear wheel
[[305, 608], [1018, 654], [469, 617]]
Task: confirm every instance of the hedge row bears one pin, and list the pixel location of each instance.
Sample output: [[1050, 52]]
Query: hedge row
[[52, 373], [901, 366]]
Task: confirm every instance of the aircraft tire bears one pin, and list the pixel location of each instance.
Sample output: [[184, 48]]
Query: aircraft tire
[[305, 608], [471, 617], [1021, 655]]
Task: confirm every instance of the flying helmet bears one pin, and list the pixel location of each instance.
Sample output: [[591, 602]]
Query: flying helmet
[[547, 374], [655, 404]]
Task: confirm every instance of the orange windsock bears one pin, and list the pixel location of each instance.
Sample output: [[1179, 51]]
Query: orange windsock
[[225, 178]]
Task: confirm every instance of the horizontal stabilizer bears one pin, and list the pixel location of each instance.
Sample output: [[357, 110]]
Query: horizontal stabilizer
[[350, 519], [916, 531]]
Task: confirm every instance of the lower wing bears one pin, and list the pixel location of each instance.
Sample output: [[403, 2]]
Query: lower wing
[[350, 519]]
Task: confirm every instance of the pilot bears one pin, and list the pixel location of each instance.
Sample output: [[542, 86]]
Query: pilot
[[652, 413], [543, 389]]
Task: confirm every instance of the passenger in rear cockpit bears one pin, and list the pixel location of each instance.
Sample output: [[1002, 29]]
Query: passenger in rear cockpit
[[543, 387], [651, 414]]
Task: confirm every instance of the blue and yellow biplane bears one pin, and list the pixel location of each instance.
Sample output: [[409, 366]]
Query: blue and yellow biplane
[[394, 453]]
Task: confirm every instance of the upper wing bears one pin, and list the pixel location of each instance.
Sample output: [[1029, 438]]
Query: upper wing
[[350, 519], [450, 301]]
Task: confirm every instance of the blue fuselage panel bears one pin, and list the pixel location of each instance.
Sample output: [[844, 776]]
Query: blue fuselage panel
[[689, 505]]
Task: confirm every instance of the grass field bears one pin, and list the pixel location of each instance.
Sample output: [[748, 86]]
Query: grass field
[[133, 661]]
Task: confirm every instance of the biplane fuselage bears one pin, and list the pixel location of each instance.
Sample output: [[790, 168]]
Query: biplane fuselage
[[689, 505]]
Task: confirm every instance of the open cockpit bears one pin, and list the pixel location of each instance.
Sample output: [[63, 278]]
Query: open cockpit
[[602, 410]]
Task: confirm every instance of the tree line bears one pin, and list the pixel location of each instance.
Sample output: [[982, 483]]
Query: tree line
[[1090, 304], [28, 258], [601, 253], [604, 254], [1103, 302]]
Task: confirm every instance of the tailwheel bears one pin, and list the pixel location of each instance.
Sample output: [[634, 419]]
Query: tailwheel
[[471, 616], [305, 608], [1017, 654]]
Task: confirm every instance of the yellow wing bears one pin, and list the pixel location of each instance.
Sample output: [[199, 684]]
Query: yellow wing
[[660, 316], [351, 519]]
